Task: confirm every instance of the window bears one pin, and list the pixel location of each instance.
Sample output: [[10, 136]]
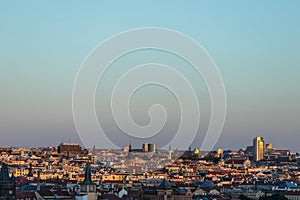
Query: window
[[91, 189], [83, 188]]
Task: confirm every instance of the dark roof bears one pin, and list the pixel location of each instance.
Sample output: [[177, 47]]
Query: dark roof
[[287, 185], [87, 179], [165, 184], [212, 197], [150, 191]]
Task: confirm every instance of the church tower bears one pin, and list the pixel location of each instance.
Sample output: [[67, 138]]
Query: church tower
[[7, 184], [30, 171], [170, 153], [88, 186], [130, 160]]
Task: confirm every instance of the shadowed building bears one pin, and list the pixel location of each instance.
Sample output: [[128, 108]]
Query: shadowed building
[[7, 184], [69, 148], [165, 191], [130, 160], [148, 147], [152, 147], [88, 187]]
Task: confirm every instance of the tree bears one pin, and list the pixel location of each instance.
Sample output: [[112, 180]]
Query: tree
[[243, 197]]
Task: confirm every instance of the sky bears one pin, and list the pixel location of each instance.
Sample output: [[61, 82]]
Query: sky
[[255, 45]]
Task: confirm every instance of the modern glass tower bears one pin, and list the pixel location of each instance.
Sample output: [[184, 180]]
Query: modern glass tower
[[258, 148]]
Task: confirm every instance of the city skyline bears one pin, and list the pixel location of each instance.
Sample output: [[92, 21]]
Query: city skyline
[[149, 100], [258, 151], [70, 172]]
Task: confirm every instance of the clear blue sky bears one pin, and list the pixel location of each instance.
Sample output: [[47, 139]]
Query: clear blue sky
[[255, 44]]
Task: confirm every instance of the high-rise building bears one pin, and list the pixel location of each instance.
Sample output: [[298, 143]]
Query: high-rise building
[[170, 153], [152, 147], [258, 148], [149, 147], [145, 147]]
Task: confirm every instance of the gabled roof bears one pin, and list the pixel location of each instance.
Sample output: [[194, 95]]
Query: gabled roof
[[165, 185]]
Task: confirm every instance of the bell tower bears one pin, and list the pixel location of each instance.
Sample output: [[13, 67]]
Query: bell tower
[[88, 186], [7, 184]]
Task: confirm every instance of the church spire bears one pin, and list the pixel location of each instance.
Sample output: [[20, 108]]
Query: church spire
[[129, 148], [87, 178], [30, 173], [4, 175]]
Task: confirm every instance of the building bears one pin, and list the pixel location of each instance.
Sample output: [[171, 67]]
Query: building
[[220, 151], [69, 148], [152, 147], [170, 153], [165, 191], [145, 147], [148, 147], [87, 187], [269, 146], [258, 148], [130, 159], [7, 184]]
